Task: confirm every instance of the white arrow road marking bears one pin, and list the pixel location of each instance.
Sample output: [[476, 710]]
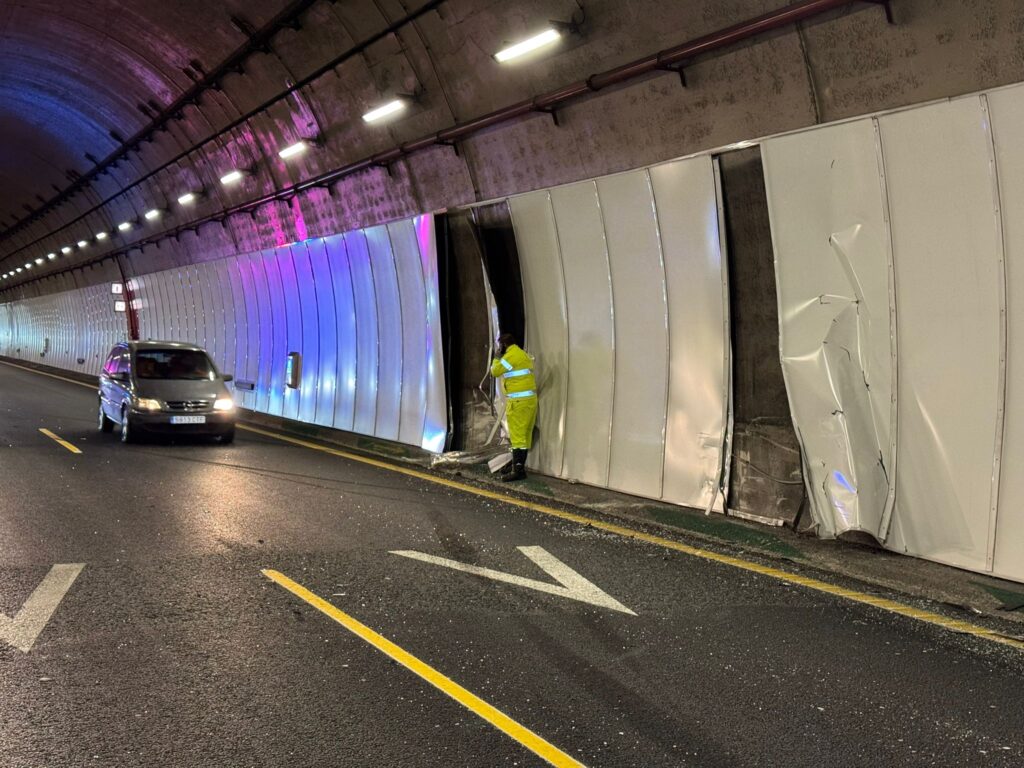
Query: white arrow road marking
[[570, 584], [24, 628]]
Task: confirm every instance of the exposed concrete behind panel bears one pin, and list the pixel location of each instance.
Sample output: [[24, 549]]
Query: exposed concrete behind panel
[[847, 64]]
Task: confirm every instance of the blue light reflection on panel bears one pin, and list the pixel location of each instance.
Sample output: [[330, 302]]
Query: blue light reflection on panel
[[345, 319], [269, 351], [389, 333], [310, 333], [328, 331], [414, 331], [293, 323], [366, 332]]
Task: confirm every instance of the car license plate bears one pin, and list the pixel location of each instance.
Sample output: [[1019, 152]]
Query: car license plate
[[188, 419]]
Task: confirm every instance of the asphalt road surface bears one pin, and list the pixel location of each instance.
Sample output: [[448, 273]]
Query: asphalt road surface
[[172, 647]]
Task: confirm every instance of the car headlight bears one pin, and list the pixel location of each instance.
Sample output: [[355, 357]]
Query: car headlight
[[147, 404], [224, 404]]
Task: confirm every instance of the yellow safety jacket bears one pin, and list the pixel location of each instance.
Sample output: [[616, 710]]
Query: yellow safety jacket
[[515, 371]]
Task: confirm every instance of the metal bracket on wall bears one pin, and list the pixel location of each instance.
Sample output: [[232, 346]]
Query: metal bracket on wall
[[887, 4], [679, 69], [549, 111]]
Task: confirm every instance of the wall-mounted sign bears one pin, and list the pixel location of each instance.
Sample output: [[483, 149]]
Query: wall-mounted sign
[[293, 370], [117, 289]]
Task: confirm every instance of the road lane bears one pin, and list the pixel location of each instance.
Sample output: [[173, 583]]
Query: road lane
[[172, 649]]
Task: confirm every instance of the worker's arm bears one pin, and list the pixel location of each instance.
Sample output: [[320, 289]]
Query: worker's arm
[[497, 369]]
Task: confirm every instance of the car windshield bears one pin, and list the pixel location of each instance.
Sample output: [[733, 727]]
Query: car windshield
[[173, 364]]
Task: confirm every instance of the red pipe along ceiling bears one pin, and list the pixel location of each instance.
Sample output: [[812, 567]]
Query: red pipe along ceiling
[[672, 59]]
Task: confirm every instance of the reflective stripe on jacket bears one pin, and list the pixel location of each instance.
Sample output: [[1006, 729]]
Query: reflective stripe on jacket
[[515, 370]]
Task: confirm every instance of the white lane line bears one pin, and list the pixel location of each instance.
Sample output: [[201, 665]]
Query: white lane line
[[35, 614], [570, 584]]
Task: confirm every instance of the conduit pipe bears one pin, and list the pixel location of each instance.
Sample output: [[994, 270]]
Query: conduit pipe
[[670, 59]]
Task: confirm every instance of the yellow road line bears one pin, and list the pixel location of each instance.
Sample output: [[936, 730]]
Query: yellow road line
[[874, 601], [776, 573], [470, 701], [59, 440]]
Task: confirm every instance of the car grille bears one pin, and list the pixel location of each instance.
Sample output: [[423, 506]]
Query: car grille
[[188, 405]]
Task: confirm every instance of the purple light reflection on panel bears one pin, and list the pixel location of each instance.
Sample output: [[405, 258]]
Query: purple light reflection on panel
[[435, 427]]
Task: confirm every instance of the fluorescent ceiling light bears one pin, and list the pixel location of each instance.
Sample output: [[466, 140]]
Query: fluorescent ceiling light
[[232, 177], [82, 243], [187, 199], [39, 260], [397, 105], [124, 226], [295, 149], [101, 235], [51, 256], [27, 266], [153, 213], [546, 37], [66, 249], [18, 269]]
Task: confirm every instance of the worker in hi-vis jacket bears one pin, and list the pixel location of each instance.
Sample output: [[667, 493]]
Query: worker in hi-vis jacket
[[515, 371]]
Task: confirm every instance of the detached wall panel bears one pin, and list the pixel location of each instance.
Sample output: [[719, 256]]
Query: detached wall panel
[[546, 322], [367, 335], [417, 361], [389, 332]]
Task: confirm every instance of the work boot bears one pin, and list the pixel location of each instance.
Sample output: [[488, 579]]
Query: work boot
[[518, 466]]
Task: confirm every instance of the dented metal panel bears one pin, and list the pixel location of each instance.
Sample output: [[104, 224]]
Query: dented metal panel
[[836, 320]]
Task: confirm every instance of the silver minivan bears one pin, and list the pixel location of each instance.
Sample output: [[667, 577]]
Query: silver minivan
[[164, 387]]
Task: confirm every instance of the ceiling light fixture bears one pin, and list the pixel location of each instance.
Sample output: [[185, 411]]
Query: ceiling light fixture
[[101, 236], [152, 214], [39, 260], [124, 226], [66, 250], [187, 199], [27, 266], [293, 150], [386, 110], [547, 37], [18, 269], [51, 256], [232, 177], [82, 243]]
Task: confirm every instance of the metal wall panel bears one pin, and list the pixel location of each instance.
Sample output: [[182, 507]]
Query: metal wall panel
[[641, 333], [415, 333], [948, 252], [310, 332], [281, 332], [832, 261], [347, 331], [435, 420], [366, 332], [389, 332], [327, 336], [687, 201], [591, 331], [1006, 108], [547, 335]]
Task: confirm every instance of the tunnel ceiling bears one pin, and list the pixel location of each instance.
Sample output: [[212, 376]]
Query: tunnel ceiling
[[109, 110]]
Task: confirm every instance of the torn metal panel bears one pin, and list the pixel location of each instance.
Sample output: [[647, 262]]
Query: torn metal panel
[[837, 340]]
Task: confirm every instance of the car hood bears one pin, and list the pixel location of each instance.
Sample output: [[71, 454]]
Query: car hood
[[178, 389]]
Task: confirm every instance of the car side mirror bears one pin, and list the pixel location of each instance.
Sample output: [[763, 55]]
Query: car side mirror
[[227, 377]]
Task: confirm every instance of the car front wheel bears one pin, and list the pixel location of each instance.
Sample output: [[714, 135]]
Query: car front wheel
[[127, 433], [103, 423]]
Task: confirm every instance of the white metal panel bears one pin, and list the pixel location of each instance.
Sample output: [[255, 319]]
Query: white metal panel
[[641, 333], [415, 330], [347, 333], [435, 422], [327, 339], [389, 330], [547, 337], [1006, 108], [247, 347], [832, 263], [270, 377], [591, 329], [293, 324], [947, 247], [695, 269], [366, 332], [310, 333]]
